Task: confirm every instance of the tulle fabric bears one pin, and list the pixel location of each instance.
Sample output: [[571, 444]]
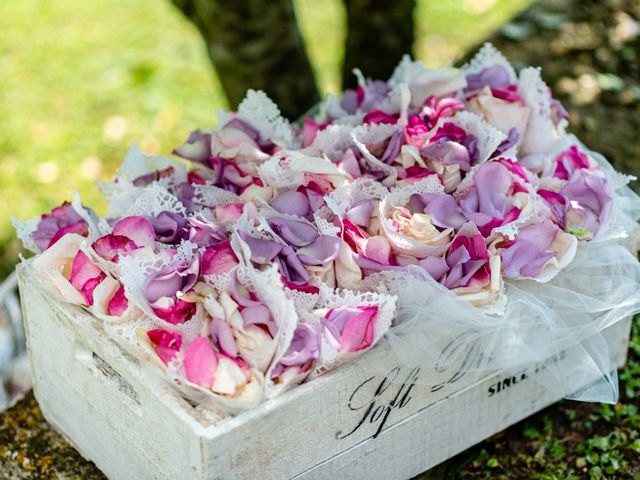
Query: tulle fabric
[[541, 322]]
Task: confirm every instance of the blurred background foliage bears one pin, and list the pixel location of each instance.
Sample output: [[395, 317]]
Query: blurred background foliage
[[81, 81]]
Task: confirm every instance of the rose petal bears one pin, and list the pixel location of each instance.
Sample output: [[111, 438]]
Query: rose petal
[[218, 259], [137, 229], [297, 233], [178, 312], [118, 303], [85, 276], [229, 213], [360, 213], [378, 249], [222, 334], [172, 280], [302, 351], [261, 316], [322, 251], [110, 246], [263, 251], [197, 147], [292, 203], [352, 327], [200, 362]]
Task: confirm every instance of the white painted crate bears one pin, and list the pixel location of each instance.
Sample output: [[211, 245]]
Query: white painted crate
[[348, 424]]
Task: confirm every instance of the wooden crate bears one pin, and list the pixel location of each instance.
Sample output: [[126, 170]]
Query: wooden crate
[[348, 424]]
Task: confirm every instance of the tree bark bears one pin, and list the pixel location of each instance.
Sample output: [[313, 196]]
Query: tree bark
[[256, 44], [379, 34]]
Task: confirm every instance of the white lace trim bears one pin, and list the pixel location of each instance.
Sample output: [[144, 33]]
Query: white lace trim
[[486, 57], [259, 111]]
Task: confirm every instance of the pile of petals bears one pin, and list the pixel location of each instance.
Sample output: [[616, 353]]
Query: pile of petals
[[245, 256]]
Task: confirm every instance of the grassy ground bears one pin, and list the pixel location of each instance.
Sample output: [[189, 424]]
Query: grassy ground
[[81, 81]]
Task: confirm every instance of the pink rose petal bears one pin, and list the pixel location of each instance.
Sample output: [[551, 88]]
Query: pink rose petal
[[85, 276], [138, 229], [378, 249], [110, 246], [200, 362], [218, 259], [358, 331], [180, 312], [80, 228], [229, 213]]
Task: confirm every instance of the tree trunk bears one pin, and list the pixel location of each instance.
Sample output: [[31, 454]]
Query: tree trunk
[[256, 44], [379, 34]]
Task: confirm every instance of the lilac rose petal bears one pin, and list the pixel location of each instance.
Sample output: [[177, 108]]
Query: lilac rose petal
[[169, 282], [322, 251], [240, 294], [263, 251], [303, 350], [166, 344], [444, 211], [393, 147], [169, 227], [360, 213], [259, 315], [222, 334], [495, 76], [297, 233], [52, 226], [292, 203], [197, 147]]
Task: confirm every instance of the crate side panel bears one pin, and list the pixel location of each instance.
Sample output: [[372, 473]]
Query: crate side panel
[[356, 407], [444, 429], [115, 421]]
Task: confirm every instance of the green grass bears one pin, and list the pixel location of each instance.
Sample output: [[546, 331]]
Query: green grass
[[81, 81]]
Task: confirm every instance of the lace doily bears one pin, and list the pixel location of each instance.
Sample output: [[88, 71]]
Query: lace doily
[[342, 199], [486, 57], [259, 111], [541, 132]]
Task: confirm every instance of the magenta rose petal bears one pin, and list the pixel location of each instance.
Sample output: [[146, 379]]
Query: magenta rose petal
[[166, 344], [118, 303]]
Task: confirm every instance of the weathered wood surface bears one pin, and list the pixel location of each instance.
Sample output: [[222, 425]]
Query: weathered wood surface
[[353, 423]]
